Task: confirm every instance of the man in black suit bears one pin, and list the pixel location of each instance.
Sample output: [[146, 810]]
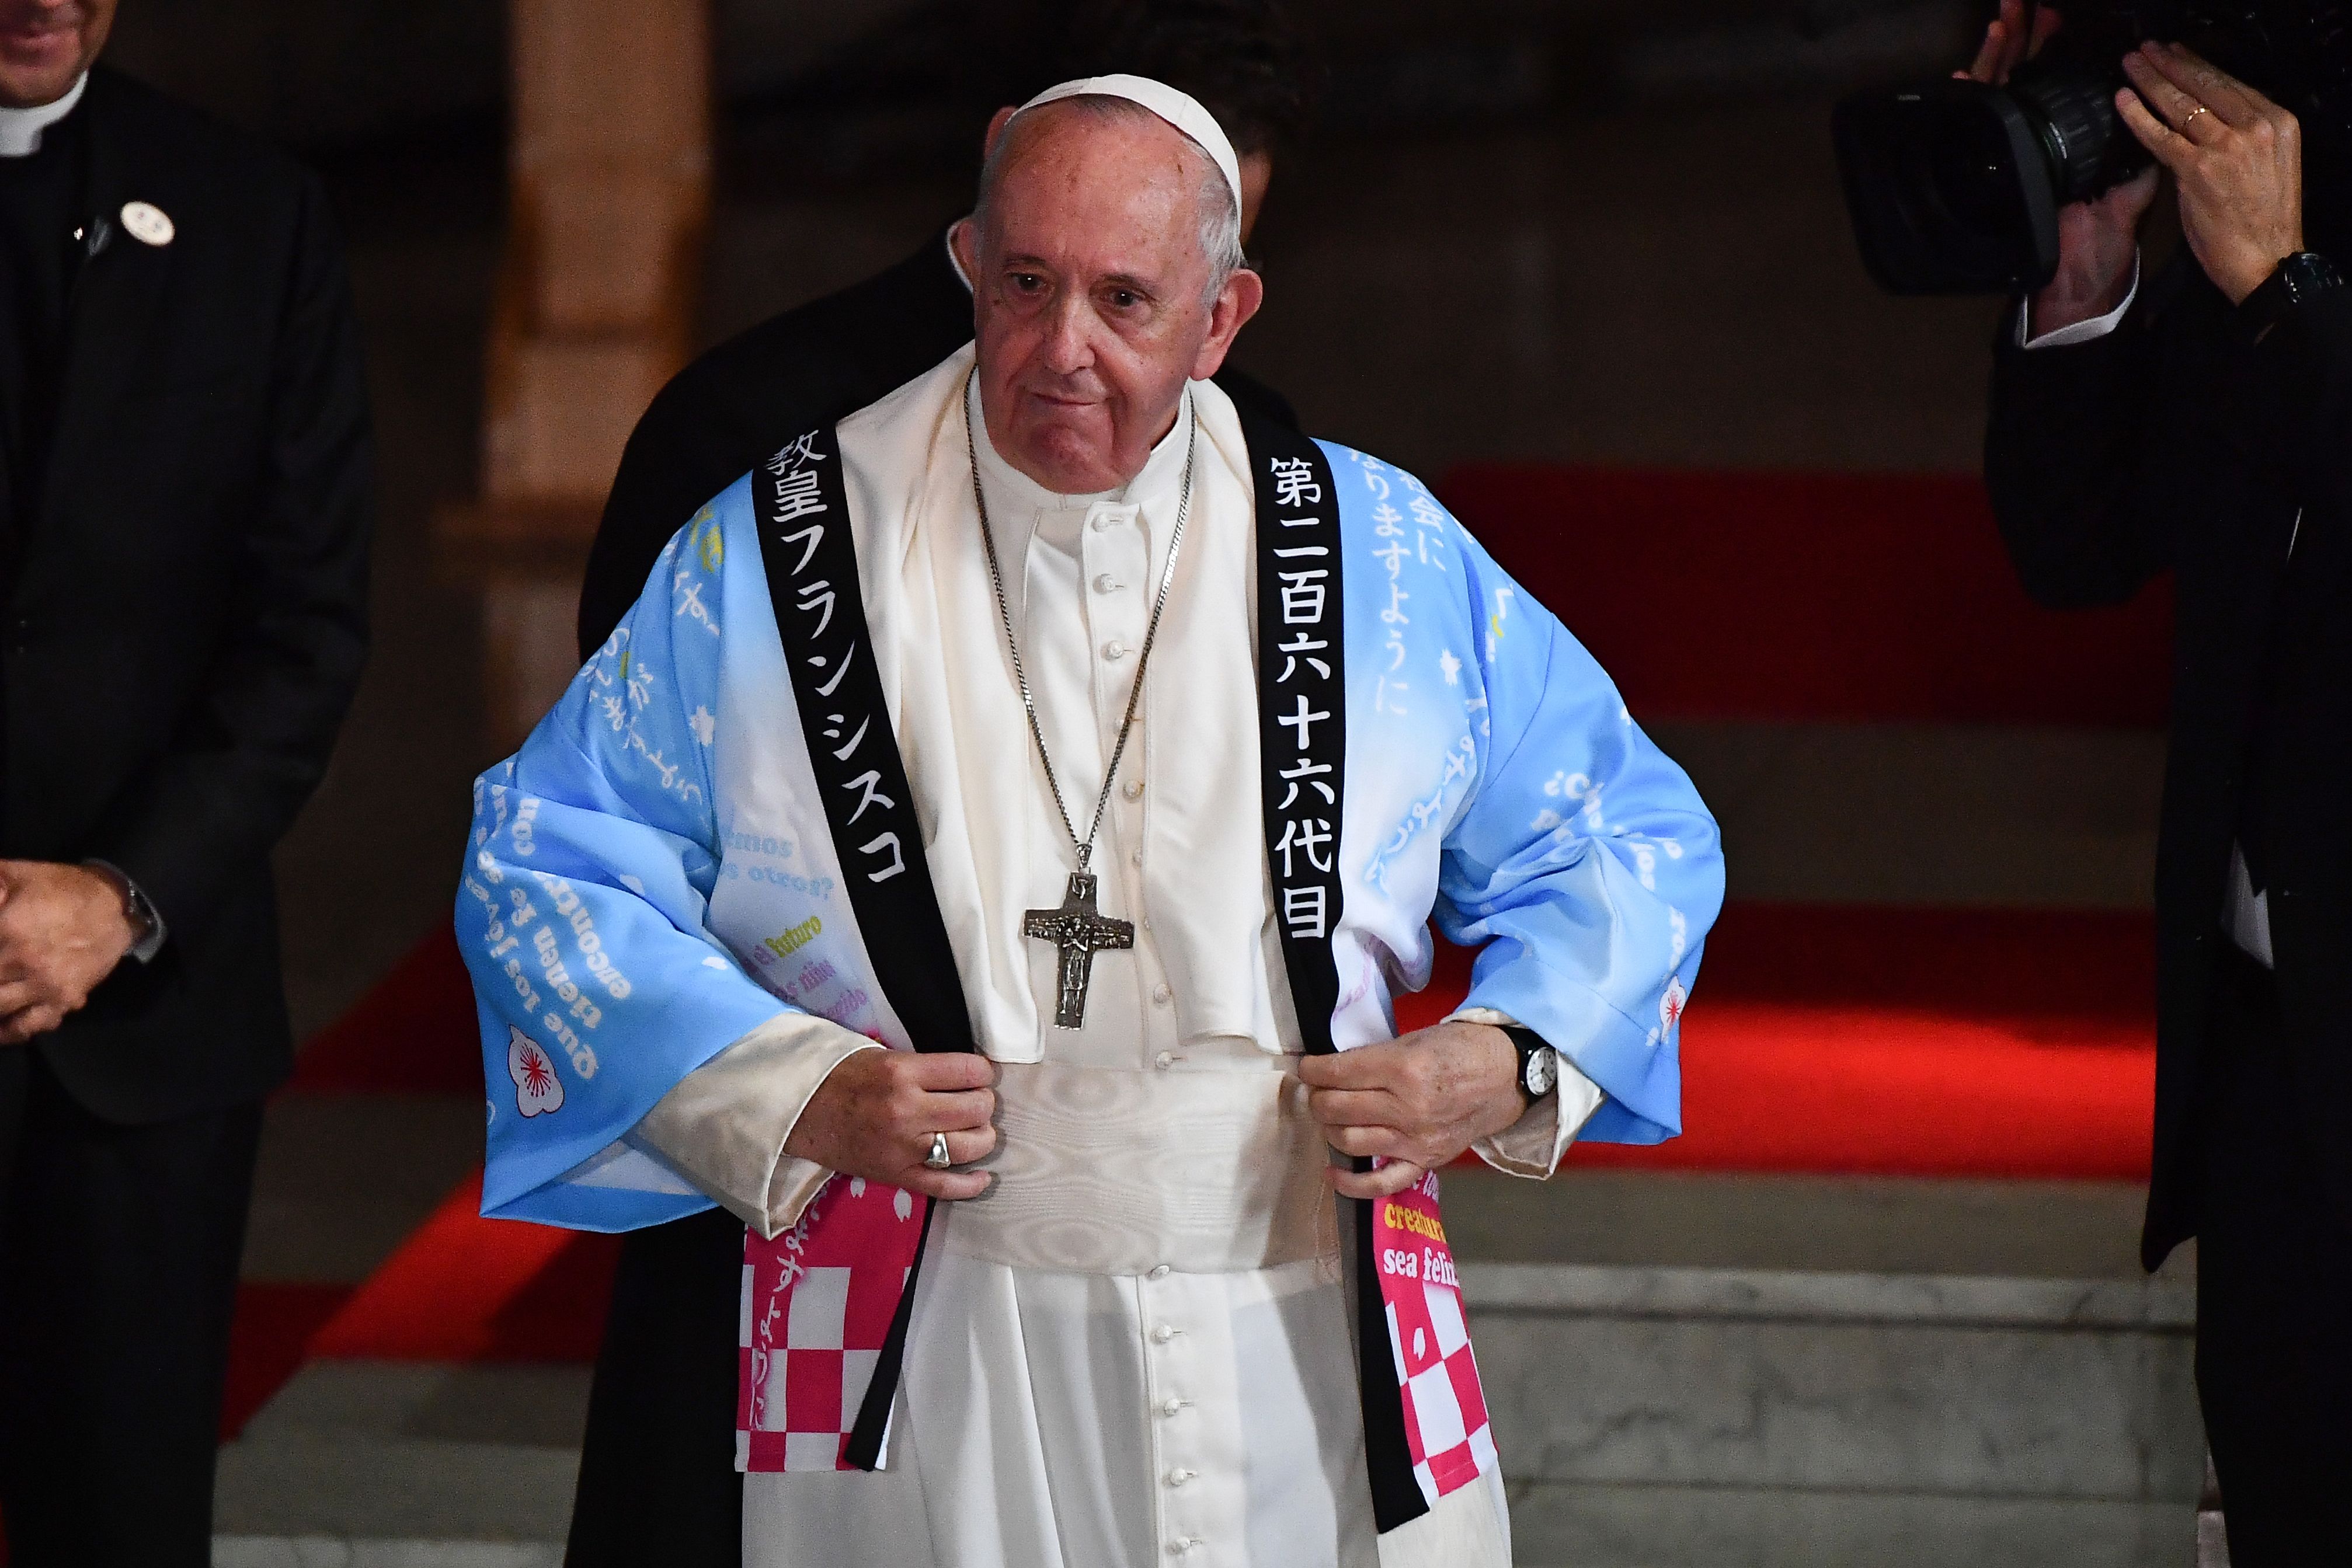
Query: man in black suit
[[657, 1479], [2200, 421], [184, 529]]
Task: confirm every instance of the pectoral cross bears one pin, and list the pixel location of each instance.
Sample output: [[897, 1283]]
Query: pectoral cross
[[1079, 932]]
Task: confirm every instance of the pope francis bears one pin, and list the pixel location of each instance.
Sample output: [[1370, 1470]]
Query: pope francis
[[985, 862]]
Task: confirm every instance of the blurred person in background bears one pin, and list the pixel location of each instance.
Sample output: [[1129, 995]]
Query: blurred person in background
[[2197, 419], [657, 1478], [185, 494]]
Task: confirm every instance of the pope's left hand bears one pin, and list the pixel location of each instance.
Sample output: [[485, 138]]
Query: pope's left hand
[[2236, 157], [63, 929], [1420, 1101]]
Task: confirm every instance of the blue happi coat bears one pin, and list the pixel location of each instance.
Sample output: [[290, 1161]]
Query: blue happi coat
[[632, 866]]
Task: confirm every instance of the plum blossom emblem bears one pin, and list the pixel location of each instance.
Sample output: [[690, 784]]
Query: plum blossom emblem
[[538, 1090], [1670, 1006]]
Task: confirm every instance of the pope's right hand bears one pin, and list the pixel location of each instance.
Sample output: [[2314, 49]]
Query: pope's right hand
[[874, 1114], [2098, 240]]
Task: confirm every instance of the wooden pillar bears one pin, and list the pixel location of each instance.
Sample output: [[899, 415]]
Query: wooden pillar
[[609, 195]]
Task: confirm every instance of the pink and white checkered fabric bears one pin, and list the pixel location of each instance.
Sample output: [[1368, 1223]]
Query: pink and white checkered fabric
[[1446, 1423], [817, 1304]]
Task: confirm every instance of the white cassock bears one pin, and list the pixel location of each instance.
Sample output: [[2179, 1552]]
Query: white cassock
[[1139, 1347]]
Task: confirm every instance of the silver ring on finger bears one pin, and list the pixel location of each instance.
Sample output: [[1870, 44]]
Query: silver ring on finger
[[939, 1159]]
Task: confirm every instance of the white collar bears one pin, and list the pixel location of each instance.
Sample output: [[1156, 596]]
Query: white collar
[[21, 129]]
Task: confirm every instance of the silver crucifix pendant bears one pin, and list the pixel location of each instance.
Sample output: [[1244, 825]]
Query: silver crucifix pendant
[[1079, 932]]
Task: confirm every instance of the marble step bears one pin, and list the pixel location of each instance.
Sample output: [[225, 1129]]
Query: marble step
[[361, 1464], [1646, 1416], [1556, 1524], [2065, 1390], [337, 1552]]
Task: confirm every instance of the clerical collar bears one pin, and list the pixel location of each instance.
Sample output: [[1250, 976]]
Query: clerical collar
[[1163, 471], [21, 129]]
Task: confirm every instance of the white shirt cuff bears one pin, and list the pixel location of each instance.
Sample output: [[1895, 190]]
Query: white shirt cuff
[[1534, 1146], [2081, 331], [725, 1125]]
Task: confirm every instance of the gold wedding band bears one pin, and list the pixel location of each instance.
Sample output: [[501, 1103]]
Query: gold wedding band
[[938, 1158], [2192, 117]]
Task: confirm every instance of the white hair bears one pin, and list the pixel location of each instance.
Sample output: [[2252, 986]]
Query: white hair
[[1220, 204]]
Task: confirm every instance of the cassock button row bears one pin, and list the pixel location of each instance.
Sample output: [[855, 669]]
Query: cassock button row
[[1159, 1271], [1161, 994], [1106, 583], [1164, 1060], [1134, 789], [1185, 1543], [1176, 1478], [1114, 650], [1163, 1333], [1173, 1406]]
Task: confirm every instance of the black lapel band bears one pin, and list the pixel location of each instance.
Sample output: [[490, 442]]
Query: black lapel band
[[812, 567], [1303, 742]]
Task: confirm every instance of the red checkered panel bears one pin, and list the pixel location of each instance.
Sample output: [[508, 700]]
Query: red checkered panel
[[818, 1302], [1444, 1408], [1446, 1428]]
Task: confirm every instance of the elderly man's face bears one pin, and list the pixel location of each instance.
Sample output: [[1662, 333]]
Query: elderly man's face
[[45, 44], [1087, 297]]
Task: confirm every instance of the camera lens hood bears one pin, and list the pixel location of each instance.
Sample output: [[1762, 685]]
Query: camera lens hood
[[1950, 188]]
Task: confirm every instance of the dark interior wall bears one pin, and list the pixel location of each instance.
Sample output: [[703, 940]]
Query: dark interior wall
[[319, 74], [314, 72]]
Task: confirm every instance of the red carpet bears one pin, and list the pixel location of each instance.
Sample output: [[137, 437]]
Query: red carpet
[[1907, 1042], [464, 1288], [268, 1341], [1810, 596], [412, 1033]]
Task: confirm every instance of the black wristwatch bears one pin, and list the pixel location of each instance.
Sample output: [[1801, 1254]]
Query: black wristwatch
[[1539, 1063], [2298, 277]]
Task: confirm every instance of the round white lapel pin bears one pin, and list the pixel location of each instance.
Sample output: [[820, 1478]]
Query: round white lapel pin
[[147, 222]]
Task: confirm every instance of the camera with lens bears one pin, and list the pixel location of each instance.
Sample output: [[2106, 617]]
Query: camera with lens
[[1955, 186]]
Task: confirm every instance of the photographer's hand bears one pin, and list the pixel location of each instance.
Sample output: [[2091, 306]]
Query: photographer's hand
[[2007, 44], [2098, 239], [2238, 158]]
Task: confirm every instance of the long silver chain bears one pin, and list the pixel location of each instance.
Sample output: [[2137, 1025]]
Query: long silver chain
[[1086, 846]]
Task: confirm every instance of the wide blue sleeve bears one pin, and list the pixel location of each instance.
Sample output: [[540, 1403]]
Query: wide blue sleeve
[[581, 909], [1584, 866]]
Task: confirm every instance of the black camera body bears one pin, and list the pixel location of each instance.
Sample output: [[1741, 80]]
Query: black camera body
[[1955, 186]]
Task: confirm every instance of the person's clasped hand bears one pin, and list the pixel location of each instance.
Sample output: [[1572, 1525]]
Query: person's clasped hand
[[1419, 1101], [2236, 156], [877, 1113], [63, 930]]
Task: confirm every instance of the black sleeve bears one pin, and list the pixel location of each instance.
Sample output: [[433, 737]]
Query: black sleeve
[[685, 450], [1260, 399], [257, 733], [2288, 402], [2071, 462]]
